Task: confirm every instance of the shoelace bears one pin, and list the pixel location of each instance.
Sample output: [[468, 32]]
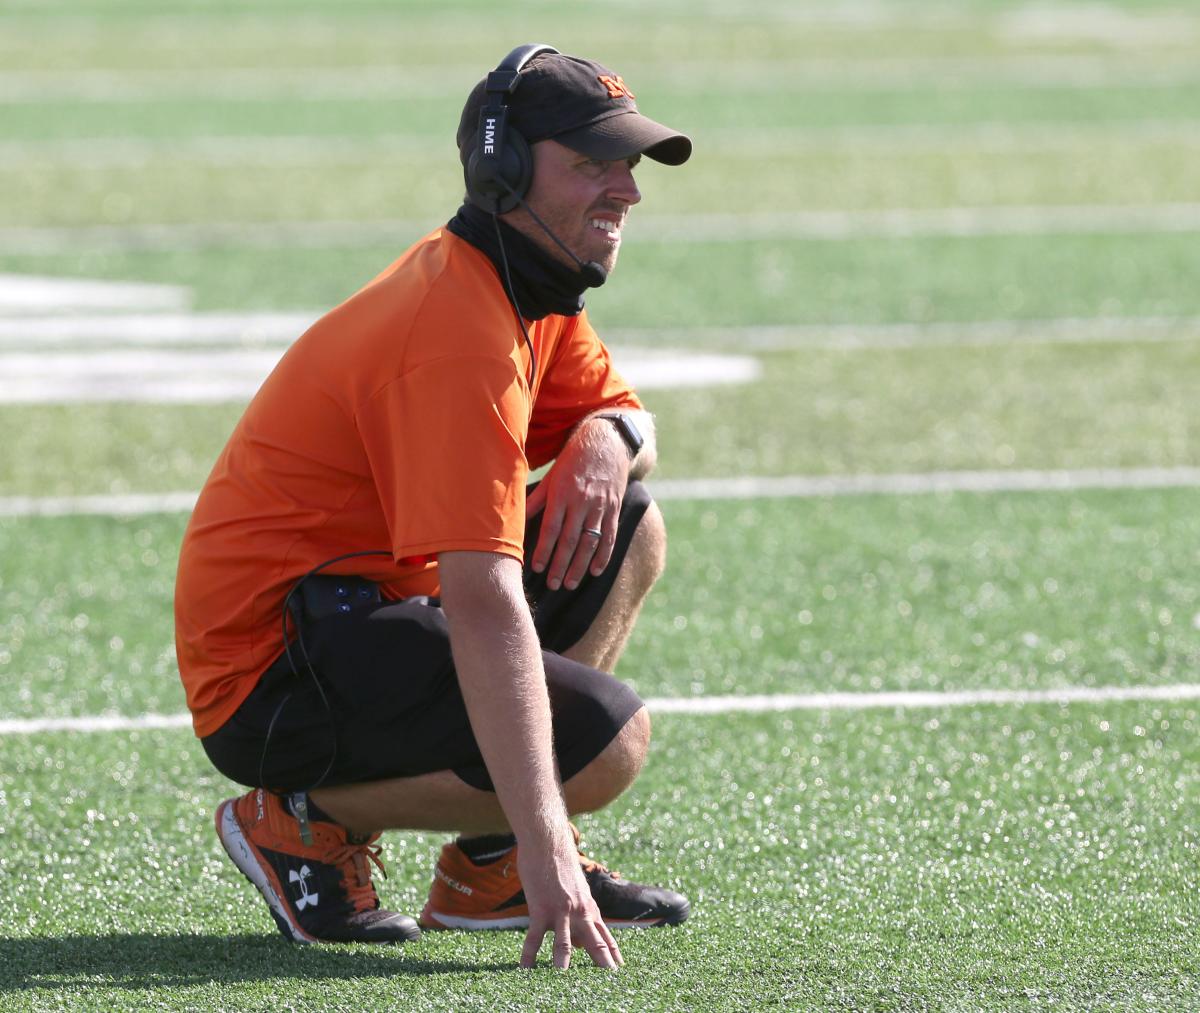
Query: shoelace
[[355, 862], [591, 865]]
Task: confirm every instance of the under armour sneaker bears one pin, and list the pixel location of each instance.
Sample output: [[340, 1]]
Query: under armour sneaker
[[318, 892], [489, 896]]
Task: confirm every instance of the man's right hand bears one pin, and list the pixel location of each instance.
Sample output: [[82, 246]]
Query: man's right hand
[[560, 902]]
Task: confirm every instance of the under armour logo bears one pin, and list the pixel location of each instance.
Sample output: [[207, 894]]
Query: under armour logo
[[616, 87], [302, 878]]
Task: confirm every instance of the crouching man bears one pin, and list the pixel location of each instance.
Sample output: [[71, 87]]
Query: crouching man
[[380, 622]]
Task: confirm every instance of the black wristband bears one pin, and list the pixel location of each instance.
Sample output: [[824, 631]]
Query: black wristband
[[626, 429]]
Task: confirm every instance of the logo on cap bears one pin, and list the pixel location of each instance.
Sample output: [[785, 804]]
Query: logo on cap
[[616, 87]]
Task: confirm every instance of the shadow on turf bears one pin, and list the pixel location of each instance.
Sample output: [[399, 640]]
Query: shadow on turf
[[157, 961]]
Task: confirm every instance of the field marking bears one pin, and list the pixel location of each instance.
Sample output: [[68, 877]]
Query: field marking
[[980, 135], [1098, 22], [33, 375], [713, 227], [703, 705], [755, 76], [906, 223], [153, 376], [99, 505], [247, 330], [745, 142], [925, 483], [154, 329], [785, 487], [936, 334], [905, 699], [36, 294], [93, 723]]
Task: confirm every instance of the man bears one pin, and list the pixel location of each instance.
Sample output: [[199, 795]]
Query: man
[[378, 626]]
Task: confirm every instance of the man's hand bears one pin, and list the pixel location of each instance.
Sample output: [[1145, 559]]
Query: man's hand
[[581, 495], [560, 902]]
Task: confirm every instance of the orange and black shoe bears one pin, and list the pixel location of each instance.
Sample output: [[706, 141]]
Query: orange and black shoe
[[319, 892], [466, 895]]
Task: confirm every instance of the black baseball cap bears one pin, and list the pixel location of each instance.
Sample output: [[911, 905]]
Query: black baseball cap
[[581, 104]]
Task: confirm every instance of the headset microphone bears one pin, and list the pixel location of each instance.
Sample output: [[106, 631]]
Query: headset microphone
[[594, 274]]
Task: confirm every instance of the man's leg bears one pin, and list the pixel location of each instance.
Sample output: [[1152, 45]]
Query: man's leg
[[444, 801], [604, 642], [605, 730], [592, 623]]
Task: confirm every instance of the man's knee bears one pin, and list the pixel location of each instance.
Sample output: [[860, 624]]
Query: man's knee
[[648, 551], [614, 769], [633, 742]]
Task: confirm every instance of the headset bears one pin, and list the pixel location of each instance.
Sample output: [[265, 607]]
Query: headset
[[500, 169]]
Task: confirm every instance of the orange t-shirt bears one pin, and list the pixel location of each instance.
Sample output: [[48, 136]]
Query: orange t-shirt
[[402, 420]]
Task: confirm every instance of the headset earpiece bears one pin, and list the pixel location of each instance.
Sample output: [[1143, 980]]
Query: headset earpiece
[[500, 169]]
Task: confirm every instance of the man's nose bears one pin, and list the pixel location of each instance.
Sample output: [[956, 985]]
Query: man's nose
[[623, 187]]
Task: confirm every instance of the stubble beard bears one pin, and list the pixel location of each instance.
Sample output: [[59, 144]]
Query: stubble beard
[[604, 254]]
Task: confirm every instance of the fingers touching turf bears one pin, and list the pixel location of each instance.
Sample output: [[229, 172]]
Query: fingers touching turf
[[582, 932]]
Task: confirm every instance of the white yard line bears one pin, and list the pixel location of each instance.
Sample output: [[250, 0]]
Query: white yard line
[[784, 487], [1099, 23], [906, 223], [35, 294], [398, 233], [1000, 136], [810, 486], [897, 700], [93, 723], [938, 334], [31, 332], [1093, 21], [172, 376], [917, 698], [746, 142], [718, 227], [326, 84], [100, 505], [154, 330]]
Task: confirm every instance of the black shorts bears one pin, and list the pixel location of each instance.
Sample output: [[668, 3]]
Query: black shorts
[[394, 707]]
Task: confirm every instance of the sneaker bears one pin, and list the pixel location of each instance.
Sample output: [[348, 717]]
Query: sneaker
[[317, 893], [469, 896]]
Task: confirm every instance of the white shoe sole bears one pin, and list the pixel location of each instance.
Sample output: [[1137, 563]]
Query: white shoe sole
[[443, 921]]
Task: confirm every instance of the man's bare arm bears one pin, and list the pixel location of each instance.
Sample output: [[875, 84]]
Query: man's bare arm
[[499, 664]]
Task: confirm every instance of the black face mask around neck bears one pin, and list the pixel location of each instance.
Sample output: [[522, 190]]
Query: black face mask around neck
[[541, 284]]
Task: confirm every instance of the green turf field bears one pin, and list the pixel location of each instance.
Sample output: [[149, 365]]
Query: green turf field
[[955, 237]]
